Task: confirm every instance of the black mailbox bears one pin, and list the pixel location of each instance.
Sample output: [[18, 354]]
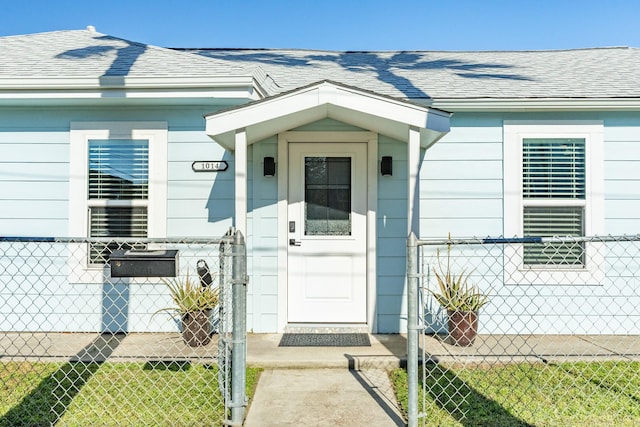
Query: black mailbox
[[144, 263]]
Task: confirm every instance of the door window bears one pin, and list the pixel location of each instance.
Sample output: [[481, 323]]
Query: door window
[[327, 183]]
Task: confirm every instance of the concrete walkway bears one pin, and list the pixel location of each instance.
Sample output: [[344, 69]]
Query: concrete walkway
[[325, 386], [324, 397]]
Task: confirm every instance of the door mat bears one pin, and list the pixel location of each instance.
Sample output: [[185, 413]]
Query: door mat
[[325, 340]]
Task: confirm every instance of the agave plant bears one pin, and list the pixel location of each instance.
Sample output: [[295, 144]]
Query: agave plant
[[456, 293], [189, 296]]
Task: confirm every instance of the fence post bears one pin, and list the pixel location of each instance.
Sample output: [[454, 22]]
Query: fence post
[[239, 353], [412, 328]]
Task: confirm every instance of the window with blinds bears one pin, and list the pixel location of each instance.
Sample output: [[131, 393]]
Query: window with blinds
[[118, 186], [550, 222], [553, 191], [553, 168]]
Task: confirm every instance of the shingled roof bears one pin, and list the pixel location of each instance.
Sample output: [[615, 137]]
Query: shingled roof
[[86, 53], [600, 73], [580, 73]]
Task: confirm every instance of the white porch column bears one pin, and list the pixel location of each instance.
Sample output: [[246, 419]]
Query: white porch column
[[241, 180], [413, 181]]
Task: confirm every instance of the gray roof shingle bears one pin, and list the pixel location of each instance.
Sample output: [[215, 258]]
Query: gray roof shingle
[[85, 53], [580, 73]]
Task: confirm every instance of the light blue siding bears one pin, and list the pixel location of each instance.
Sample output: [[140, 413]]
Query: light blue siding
[[460, 192], [622, 177], [475, 187], [440, 189], [461, 181], [463, 170], [34, 182], [262, 244], [391, 244], [34, 201], [469, 207], [34, 172], [328, 125]]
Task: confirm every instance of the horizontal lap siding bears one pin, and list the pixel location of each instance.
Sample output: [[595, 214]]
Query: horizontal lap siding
[[461, 193], [622, 178], [34, 182], [35, 292], [262, 242], [200, 204], [461, 182], [391, 240]]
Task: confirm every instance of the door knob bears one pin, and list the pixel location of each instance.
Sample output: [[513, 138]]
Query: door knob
[[294, 242]]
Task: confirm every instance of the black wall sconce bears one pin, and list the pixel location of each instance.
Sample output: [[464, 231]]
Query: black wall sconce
[[269, 167], [386, 166]]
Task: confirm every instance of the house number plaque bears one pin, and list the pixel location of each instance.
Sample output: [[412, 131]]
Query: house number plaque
[[210, 166]]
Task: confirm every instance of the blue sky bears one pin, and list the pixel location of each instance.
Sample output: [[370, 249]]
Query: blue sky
[[340, 25]]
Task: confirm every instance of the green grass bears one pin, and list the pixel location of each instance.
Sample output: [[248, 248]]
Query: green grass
[[567, 394], [138, 394]]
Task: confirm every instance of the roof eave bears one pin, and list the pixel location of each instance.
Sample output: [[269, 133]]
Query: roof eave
[[327, 99], [245, 87], [536, 104]]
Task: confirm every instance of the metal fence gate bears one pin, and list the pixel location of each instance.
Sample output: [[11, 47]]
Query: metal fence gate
[[79, 346], [558, 340]]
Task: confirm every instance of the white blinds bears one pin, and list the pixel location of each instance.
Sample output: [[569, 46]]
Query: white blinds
[[553, 168], [109, 222], [550, 222], [119, 221], [553, 172], [118, 169]]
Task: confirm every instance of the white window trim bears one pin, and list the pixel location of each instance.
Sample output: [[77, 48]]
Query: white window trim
[[80, 134], [593, 133]]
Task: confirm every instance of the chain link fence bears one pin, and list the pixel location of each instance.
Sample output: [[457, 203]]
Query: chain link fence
[[556, 338], [91, 334]]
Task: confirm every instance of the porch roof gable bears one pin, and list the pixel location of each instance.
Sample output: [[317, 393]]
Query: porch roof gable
[[385, 115]]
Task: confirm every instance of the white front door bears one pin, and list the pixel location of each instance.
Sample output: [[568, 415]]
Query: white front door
[[327, 233]]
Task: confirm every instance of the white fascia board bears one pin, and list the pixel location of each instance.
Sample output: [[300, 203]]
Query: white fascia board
[[537, 104], [131, 87], [119, 81], [128, 94]]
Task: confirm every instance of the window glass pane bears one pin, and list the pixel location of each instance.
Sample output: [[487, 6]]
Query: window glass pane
[[553, 168], [554, 222], [108, 222], [118, 169], [327, 196]]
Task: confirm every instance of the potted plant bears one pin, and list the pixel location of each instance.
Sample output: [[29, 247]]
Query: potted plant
[[193, 305], [461, 299]]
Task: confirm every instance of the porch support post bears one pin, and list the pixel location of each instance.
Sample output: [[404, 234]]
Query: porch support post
[[413, 181], [413, 224], [241, 180]]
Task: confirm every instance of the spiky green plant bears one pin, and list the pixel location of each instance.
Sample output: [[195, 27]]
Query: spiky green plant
[[190, 296], [456, 293]]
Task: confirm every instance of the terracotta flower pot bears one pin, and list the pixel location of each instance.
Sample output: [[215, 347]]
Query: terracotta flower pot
[[196, 328], [463, 327]]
